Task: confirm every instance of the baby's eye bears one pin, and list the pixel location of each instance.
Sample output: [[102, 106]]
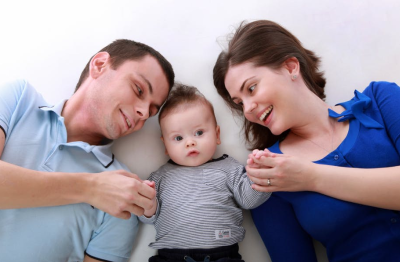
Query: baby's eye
[[178, 138], [199, 133], [140, 91]]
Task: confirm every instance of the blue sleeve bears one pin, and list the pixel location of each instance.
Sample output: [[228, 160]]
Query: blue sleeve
[[113, 240], [281, 232], [387, 98], [10, 95]]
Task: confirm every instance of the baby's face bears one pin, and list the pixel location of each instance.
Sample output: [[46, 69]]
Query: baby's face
[[190, 135]]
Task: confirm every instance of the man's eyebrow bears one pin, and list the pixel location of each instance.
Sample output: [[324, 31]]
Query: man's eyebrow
[[148, 83], [242, 86]]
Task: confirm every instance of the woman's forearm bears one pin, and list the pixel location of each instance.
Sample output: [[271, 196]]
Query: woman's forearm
[[379, 187]]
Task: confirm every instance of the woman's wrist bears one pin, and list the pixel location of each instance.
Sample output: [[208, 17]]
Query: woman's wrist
[[313, 182]]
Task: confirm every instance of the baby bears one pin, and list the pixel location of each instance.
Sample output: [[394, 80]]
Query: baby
[[197, 212]]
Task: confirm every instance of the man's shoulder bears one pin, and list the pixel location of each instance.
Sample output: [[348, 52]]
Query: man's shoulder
[[18, 89]]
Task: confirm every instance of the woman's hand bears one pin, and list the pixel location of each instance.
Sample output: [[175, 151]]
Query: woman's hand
[[284, 172]]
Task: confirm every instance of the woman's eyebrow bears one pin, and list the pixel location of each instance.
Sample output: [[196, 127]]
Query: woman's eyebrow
[[242, 86]]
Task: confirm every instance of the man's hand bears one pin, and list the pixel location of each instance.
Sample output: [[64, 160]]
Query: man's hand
[[151, 211], [120, 193]]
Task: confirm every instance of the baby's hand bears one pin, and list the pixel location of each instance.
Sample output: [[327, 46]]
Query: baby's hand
[[150, 212], [150, 183], [257, 154]]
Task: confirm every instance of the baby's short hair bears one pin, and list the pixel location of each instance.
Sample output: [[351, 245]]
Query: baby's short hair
[[183, 95]]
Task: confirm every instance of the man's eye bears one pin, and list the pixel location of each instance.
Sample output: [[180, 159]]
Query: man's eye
[[178, 138], [199, 133]]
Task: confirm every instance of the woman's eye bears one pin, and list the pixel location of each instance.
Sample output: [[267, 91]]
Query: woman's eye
[[178, 138], [251, 88]]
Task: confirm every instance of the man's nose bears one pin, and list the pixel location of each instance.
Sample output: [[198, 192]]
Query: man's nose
[[143, 112]]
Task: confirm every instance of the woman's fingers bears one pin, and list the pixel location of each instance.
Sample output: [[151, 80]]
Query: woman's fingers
[[264, 188]]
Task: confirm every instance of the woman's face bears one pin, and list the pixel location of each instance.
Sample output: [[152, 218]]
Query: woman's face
[[265, 94]]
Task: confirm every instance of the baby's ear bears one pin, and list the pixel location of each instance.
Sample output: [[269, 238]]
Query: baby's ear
[[166, 152], [218, 132]]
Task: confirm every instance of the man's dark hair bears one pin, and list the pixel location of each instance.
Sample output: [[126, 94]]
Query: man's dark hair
[[122, 50]]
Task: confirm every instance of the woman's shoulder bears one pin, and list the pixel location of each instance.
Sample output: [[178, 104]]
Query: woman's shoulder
[[378, 87]]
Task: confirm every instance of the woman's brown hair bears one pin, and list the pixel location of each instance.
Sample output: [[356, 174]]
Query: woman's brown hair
[[265, 43]]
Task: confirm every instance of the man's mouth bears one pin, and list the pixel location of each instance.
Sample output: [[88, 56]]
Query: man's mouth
[[266, 113], [127, 120]]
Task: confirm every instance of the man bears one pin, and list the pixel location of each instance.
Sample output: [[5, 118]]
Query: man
[[58, 176]]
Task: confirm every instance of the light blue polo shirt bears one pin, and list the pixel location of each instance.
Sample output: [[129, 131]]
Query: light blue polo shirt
[[36, 138]]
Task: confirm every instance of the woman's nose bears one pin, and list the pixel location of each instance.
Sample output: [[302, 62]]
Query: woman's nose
[[248, 107]]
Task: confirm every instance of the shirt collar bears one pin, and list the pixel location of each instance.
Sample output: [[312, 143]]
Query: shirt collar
[[102, 152], [56, 108]]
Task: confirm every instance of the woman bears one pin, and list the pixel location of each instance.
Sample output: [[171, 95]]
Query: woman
[[341, 164]]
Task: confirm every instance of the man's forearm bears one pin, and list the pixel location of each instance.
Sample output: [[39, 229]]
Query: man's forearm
[[23, 188]]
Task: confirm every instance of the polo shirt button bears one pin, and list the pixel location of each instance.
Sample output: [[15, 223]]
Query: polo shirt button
[[61, 147], [393, 220], [336, 157]]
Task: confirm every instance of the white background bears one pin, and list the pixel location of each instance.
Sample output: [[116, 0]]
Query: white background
[[49, 43]]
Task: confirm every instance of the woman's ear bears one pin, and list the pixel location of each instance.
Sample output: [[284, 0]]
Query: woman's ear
[[98, 64], [292, 65]]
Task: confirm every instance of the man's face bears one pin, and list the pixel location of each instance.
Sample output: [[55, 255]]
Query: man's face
[[190, 134], [124, 98]]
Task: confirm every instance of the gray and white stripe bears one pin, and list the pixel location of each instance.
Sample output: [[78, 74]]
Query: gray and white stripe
[[196, 203]]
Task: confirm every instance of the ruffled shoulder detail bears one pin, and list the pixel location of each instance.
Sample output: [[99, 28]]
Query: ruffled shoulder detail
[[355, 108]]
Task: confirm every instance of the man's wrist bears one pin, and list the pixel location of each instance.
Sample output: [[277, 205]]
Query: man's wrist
[[84, 184]]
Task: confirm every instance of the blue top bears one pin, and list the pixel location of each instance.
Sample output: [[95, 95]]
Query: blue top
[[288, 221], [36, 138]]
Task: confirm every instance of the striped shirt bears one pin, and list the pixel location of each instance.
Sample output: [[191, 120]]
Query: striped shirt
[[200, 207]]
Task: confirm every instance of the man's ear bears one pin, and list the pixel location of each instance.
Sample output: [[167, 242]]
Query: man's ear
[[162, 139], [292, 65], [98, 64], [218, 132]]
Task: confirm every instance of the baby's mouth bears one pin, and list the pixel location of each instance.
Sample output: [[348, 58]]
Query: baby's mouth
[[193, 153]]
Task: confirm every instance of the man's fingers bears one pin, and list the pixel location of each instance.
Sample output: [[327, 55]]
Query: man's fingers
[[128, 174], [124, 215], [134, 209]]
